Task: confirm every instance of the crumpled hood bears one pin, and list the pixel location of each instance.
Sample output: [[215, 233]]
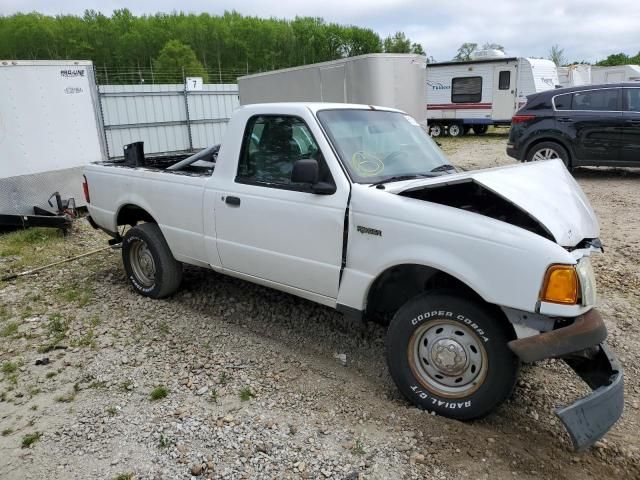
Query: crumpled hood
[[545, 190]]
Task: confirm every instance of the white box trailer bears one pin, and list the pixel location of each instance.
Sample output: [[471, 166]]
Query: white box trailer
[[387, 80], [574, 75], [475, 94], [615, 74], [49, 128]]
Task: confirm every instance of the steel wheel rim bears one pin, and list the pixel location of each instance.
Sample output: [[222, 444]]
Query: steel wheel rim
[[454, 130], [448, 358], [435, 131], [142, 263], [545, 154]]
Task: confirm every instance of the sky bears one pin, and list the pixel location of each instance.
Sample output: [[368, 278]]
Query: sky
[[587, 30]]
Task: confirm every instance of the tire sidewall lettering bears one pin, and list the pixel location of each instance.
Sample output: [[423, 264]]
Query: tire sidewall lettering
[[445, 314]]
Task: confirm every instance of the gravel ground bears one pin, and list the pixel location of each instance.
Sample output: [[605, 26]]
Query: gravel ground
[[231, 380]]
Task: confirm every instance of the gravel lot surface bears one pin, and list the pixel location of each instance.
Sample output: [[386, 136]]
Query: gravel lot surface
[[231, 380]]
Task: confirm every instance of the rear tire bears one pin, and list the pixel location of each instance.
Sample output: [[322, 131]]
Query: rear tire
[[456, 130], [449, 354], [480, 129], [548, 151], [149, 263]]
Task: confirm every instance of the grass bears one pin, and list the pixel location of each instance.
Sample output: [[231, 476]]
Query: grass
[[5, 313], [9, 368], [358, 447], [163, 328], [163, 442], [57, 328], [213, 395], [158, 393], [30, 438], [51, 374], [77, 294], [29, 245], [7, 431], [126, 385], [112, 410], [9, 330], [246, 394], [124, 476], [67, 397], [223, 378]]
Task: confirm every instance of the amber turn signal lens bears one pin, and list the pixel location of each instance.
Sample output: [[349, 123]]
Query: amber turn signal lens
[[560, 285]]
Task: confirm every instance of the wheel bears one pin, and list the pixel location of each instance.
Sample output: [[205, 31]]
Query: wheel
[[449, 355], [456, 130], [548, 151], [480, 129], [435, 130], [148, 261]]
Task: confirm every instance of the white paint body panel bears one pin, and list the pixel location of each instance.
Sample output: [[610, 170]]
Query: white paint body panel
[[293, 241]]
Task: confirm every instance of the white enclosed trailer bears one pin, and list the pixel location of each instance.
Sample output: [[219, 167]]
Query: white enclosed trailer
[[615, 74], [574, 75], [482, 92], [383, 79], [49, 129]]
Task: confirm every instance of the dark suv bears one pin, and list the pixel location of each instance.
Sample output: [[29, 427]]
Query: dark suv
[[589, 125]]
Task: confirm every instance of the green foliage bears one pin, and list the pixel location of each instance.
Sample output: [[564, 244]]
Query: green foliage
[[9, 330], [246, 394], [620, 59], [492, 46], [465, 51], [9, 367], [556, 55], [30, 439], [124, 47], [158, 393], [178, 61]]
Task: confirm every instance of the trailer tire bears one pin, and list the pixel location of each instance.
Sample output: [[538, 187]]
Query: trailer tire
[[480, 129], [456, 130], [449, 354], [548, 151], [435, 130], [149, 263]]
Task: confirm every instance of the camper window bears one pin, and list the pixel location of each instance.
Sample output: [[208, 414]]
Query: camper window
[[504, 80], [466, 90]]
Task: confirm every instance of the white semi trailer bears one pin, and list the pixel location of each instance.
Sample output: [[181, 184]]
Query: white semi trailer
[[50, 128], [387, 80]]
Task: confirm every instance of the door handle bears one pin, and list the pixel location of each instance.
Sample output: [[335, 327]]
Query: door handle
[[565, 120], [233, 201]]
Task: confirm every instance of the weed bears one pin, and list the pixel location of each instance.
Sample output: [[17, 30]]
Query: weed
[[51, 374], [223, 378], [9, 330], [124, 476], [358, 447], [163, 442], [77, 294], [56, 325], [66, 398], [112, 410], [98, 384], [7, 431], [34, 407], [12, 379], [246, 394], [163, 328], [158, 393], [87, 340], [9, 367], [33, 391], [213, 395], [126, 385], [30, 438], [4, 312]]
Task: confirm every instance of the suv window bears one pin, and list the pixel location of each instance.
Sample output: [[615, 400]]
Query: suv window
[[563, 102], [270, 147], [633, 99], [504, 80], [466, 90], [601, 100]]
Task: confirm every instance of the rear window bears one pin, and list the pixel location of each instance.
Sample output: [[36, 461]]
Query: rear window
[[599, 100], [466, 90], [563, 102]]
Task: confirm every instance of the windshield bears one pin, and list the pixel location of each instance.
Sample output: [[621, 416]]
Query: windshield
[[377, 146]]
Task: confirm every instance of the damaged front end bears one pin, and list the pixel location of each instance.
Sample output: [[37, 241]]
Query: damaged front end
[[581, 345]]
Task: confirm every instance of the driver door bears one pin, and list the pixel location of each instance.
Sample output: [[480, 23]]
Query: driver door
[[273, 229]]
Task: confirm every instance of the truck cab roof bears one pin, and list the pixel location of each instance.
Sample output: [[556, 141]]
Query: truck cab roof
[[314, 107]]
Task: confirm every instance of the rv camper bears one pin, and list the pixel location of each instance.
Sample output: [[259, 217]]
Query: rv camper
[[386, 80], [474, 94], [49, 129], [582, 74]]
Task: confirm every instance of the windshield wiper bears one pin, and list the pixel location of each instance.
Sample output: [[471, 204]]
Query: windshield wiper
[[399, 178], [445, 167]]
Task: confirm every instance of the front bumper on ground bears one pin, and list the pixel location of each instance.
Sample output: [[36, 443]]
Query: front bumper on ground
[[581, 346]]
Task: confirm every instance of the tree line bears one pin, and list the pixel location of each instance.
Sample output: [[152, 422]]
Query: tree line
[[124, 46]]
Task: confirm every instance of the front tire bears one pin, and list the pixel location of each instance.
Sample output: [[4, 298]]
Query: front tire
[[150, 266], [548, 151], [449, 355]]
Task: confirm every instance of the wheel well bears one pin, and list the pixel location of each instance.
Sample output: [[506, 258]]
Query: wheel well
[[398, 284], [554, 140], [132, 214]]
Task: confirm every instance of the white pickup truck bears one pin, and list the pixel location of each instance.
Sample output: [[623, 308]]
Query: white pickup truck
[[356, 208]]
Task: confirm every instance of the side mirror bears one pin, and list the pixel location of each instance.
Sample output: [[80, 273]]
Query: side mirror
[[305, 171]]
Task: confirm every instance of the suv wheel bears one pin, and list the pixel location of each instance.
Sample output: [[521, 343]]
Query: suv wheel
[[449, 355], [548, 151], [480, 129], [456, 130]]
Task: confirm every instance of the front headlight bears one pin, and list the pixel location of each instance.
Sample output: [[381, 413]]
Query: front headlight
[[587, 281]]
